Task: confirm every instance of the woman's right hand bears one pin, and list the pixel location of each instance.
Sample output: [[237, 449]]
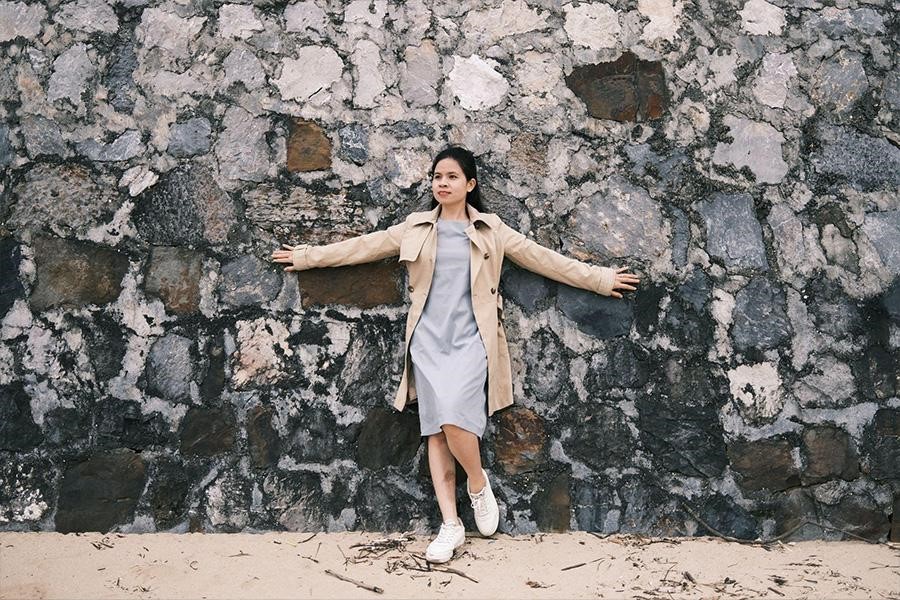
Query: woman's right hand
[[624, 281], [285, 256]]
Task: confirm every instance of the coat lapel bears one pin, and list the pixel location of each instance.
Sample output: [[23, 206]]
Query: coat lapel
[[474, 231]]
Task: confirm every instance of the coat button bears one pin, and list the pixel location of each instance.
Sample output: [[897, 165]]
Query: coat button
[[486, 256], [410, 288], [493, 291]]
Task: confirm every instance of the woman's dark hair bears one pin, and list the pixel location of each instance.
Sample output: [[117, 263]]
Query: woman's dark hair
[[466, 162]]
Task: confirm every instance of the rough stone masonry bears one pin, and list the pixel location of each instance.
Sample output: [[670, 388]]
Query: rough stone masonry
[[159, 373]]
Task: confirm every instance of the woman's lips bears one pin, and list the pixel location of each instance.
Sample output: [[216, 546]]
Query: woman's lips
[[443, 193]]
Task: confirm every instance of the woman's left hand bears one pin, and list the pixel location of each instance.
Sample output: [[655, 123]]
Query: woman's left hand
[[284, 256], [624, 281]]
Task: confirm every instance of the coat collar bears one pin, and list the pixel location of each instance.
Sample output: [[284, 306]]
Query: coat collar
[[432, 216]]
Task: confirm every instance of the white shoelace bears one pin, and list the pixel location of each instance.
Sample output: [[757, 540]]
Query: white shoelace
[[479, 503]]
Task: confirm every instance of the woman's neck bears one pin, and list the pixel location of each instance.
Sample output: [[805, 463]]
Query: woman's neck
[[455, 212]]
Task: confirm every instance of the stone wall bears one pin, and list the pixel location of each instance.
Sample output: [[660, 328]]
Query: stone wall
[[159, 372]]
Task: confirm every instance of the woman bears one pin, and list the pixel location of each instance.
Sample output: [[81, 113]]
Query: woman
[[455, 343]]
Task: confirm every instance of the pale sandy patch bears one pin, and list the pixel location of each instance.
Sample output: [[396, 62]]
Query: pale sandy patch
[[571, 565]]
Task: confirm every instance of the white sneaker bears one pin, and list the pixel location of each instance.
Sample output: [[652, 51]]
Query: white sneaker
[[449, 538], [487, 515]]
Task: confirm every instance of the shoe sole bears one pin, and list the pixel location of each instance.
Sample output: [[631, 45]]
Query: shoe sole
[[440, 559]]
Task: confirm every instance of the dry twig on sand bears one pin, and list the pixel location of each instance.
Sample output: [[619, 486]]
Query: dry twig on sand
[[362, 584]]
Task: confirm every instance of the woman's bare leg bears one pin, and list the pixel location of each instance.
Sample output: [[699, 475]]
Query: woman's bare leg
[[464, 447], [443, 475]]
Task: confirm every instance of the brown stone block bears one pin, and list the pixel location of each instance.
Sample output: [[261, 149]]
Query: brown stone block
[[308, 148], [764, 464], [521, 443], [363, 286], [74, 274], [207, 431], [101, 492], [553, 505], [262, 439], [829, 455], [628, 89], [173, 275]]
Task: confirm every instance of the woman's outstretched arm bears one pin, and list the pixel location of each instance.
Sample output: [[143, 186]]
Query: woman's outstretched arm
[[356, 250], [543, 261]]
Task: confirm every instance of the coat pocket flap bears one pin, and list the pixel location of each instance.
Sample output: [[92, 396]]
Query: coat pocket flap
[[411, 246]]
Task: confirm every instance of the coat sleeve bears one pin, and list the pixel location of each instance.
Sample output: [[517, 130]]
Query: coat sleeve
[[356, 250], [543, 261]]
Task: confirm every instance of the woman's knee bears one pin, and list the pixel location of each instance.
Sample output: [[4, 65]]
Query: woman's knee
[[458, 434]]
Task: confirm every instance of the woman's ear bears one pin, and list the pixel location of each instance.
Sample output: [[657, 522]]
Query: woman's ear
[[470, 185]]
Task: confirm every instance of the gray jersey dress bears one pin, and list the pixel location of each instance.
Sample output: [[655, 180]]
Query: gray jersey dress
[[448, 356]]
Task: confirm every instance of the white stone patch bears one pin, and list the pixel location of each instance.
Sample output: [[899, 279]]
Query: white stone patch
[[18, 19], [722, 66], [894, 337], [89, 16], [242, 65], [757, 389], [71, 72], [799, 254], [257, 361], [209, 283], [688, 120], [44, 399], [17, 321], [124, 385], [242, 149], [143, 316], [830, 384], [366, 12], [420, 73], [238, 21], [41, 352], [369, 82], [721, 308], [222, 509], [173, 413], [346, 521], [25, 503], [758, 17], [538, 73], [172, 85], [513, 17], [476, 83], [305, 15], [408, 167], [840, 250], [756, 145], [883, 231], [137, 179], [312, 72], [7, 365], [593, 25], [804, 340], [161, 29], [665, 18], [771, 84]]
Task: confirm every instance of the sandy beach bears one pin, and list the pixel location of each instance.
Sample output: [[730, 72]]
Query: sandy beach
[[306, 565]]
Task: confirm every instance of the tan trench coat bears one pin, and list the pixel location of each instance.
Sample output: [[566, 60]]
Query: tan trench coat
[[415, 241]]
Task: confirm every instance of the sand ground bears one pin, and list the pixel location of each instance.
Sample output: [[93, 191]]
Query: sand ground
[[570, 565]]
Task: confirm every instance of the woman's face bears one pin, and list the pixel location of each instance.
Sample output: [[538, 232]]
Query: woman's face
[[448, 183]]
